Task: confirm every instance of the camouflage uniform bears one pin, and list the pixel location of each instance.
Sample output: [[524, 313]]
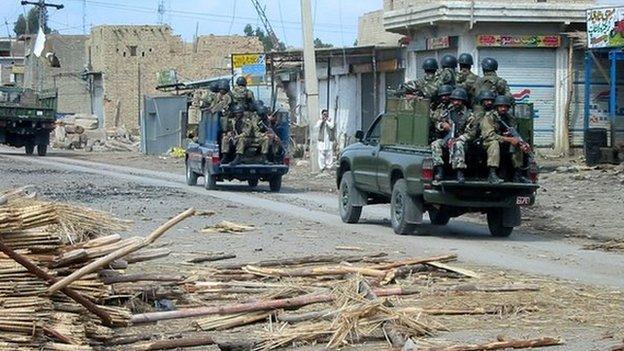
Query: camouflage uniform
[[492, 131], [491, 81], [465, 131], [221, 104], [426, 86], [267, 128], [244, 96], [445, 76], [251, 134], [467, 80], [207, 99]]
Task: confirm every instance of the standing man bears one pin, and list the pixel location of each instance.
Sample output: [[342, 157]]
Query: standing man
[[242, 95], [221, 104], [457, 129], [426, 86], [496, 136], [325, 139], [448, 72], [465, 78]]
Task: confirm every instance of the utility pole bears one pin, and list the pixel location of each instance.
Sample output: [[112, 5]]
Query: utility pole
[[311, 82], [84, 17]]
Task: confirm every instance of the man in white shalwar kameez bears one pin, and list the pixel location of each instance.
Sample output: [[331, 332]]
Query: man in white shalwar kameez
[[325, 141]]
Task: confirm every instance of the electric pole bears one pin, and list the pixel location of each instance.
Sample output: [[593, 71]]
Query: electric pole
[[311, 82], [43, 10]]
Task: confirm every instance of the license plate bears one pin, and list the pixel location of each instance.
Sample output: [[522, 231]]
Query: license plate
[[523, 200]]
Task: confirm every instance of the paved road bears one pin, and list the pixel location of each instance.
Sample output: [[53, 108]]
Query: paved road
[[523, 252]]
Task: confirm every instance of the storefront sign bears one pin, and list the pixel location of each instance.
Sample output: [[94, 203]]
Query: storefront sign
[[387, 65], [362, 67], [519, 41], [250, 66], [438, 43], [605, 28]]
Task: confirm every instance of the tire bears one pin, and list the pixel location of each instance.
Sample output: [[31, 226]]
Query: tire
[[210, 181], [495, 224], [402, 206], [275, 183], [348, 212], [252, 183], [30, 149], [438, 217], [42, 149], [191, 177]]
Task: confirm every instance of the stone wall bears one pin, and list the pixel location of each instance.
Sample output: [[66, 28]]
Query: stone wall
[[371, 30], [129, 58], [390, 5]]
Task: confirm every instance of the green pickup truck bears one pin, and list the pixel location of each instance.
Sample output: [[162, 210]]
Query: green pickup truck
[[391, 163]]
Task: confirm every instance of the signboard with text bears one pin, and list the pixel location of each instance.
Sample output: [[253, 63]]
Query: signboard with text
[[250, 66], [605, 28], [519, 41], [438, 43]]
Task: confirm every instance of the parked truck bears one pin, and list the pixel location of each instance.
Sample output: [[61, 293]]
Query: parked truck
[[27, 118], [392, 163]]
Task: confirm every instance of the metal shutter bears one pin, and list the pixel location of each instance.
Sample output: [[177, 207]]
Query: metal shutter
[[530, 74]]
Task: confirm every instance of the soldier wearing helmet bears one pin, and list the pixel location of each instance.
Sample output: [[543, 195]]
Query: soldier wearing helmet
[[443, 102], [425, 86], [496, 137], [245, 132], [456, 128], [222, 102], [271, 143], [465, 78], [210, 95], [490, 80], [447, 74], [242, 95]]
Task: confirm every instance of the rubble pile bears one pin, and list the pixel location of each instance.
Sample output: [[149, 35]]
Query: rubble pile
[[82, 131]]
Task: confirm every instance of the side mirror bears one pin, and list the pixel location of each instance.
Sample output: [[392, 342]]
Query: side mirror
[[359, 135]]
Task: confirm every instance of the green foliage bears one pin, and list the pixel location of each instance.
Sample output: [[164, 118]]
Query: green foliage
[[318, 43], [264, 38], [30, 23]]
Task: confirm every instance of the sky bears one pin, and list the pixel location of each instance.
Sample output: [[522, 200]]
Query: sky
[[335, 21]]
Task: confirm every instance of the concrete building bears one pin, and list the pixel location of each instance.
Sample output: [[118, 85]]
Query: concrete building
[[524, 36], [371, 31], [11, 62], [124, 62]]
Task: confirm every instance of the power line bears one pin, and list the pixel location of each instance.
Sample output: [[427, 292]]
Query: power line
[[233, 17], [161, 11], [279, 7]]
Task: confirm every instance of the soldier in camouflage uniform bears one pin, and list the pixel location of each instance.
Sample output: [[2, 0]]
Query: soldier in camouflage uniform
[[496, 136], [221, 104], [447, 74], [486, 102], [465, 78], [247, 132], [460, 122], [209, 97], [490, 80], [267, 124], [426, 86], [242, 95]]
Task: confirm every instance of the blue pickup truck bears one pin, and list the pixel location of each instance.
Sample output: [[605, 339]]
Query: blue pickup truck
[[203, 157]]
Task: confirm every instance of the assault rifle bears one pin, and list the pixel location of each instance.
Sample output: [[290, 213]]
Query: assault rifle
[[524, 146]]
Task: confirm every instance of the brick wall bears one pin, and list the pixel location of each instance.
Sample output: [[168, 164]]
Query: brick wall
[[390, 5], [371, 30], [130, 57]]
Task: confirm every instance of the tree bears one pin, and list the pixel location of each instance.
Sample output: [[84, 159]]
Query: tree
[[318, 43], [30, 23], [266, 41]]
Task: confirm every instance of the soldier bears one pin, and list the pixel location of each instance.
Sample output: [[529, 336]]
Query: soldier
[[490, 80], [194, 113], [465, 78], [242, 95], [267, 124], [247, 132], [221, 103], [210, 96], [496, 136], [232, 131], [447, 74], [458, 128], [426, 86], [486, 101]]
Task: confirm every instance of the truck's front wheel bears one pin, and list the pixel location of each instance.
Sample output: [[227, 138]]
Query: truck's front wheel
[[495, 224], [348, 212], [42, 149], [402, 208]]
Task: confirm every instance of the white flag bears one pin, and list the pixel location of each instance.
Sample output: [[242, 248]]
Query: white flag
[[39, 43]]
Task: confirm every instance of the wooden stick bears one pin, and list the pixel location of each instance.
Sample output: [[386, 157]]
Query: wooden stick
[[446, 267], [211, 258], [103, 261], [31, 267], [174, 343], [313, 271], [148, 254], [303, 260], [499, 345], [57, 335], [112, 279]]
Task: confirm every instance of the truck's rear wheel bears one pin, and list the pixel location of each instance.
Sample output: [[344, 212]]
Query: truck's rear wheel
[[210, 181], [191, 177], [438, 217], [495, 224], [252, 183], [402, 207], [42, 149], [275, 183], [30, 149], [348, 212]]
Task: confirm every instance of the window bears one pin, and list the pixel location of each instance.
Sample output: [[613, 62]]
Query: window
[[133, 50], [374, 133]]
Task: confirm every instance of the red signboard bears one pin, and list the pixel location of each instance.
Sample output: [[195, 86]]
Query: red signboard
[[519, 41], [438, 43]]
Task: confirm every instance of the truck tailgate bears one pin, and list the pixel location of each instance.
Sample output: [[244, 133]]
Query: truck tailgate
[[481, 194]]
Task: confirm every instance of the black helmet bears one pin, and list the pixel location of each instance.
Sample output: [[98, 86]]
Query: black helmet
[[445, 90], [430, 64], [262, 110], [241, 81], [214, 87], [486, 95], [459, 94], [224, 84], [449, 61], [465, 59], [489, 64], [502, 100], [237, 108], [258, 104]]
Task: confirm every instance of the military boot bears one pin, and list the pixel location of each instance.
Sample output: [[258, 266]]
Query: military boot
[[519, 177], [460, 176], [439, 174], [493, 177], [237, 160]]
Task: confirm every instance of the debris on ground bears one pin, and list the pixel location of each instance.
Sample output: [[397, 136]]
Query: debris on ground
[[177, 152], [609, 246], [228, 227], [82, 131]]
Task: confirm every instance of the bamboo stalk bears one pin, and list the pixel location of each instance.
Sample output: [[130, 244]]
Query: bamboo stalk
[[499, 345]]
